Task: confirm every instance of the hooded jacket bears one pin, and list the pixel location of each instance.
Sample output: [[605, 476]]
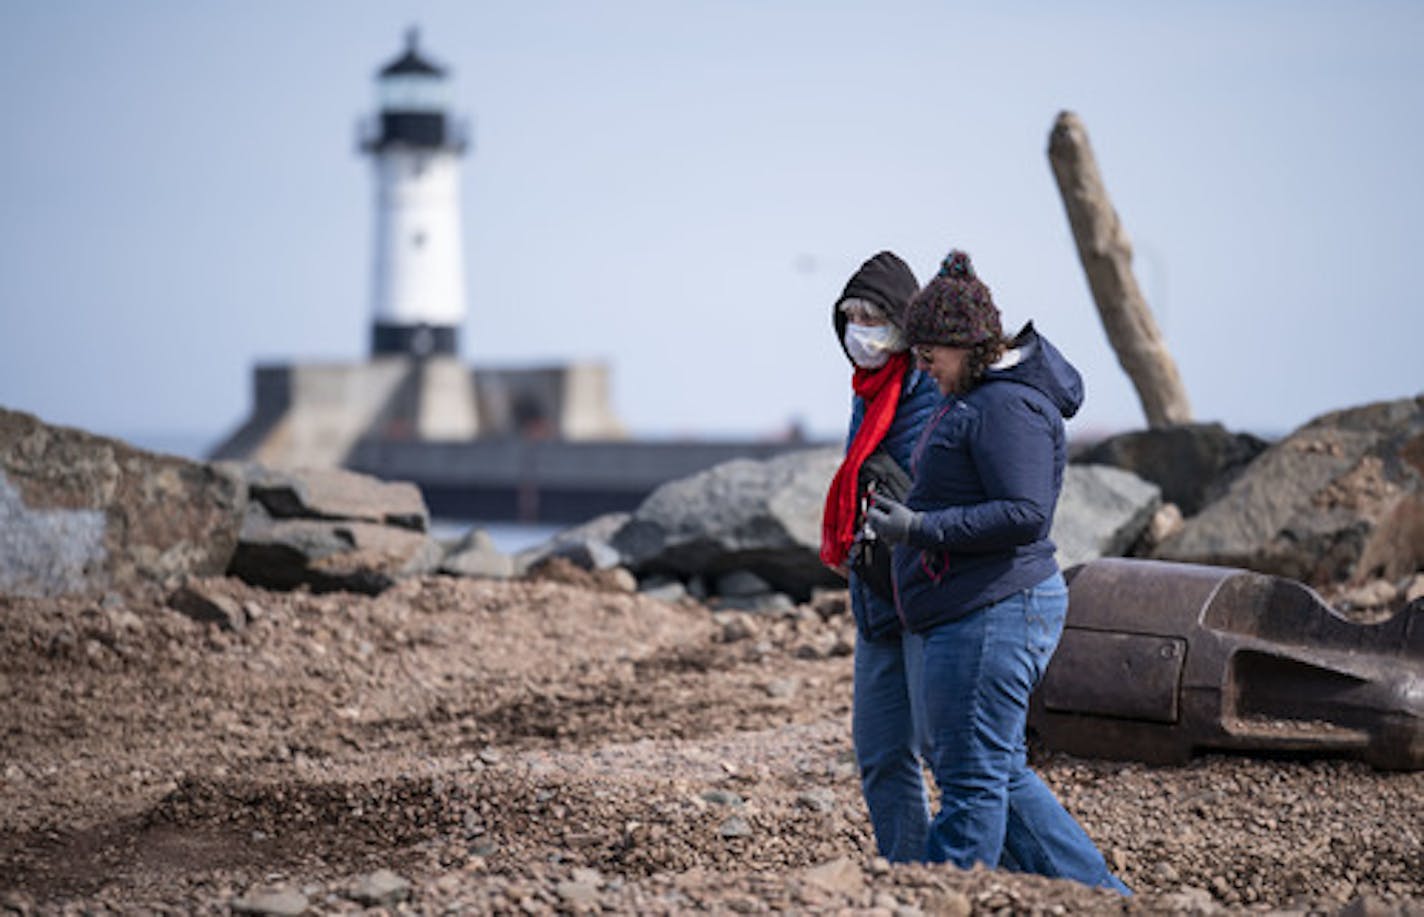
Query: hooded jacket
[[988, 469], [875, 616], [888, 282]]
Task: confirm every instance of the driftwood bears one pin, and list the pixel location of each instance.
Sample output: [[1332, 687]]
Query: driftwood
[[1106, 253]]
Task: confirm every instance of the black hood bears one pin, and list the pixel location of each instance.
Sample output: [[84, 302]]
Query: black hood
[[884, 280]]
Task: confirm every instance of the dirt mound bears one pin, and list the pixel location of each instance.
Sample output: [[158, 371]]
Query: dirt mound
[[542, 746]]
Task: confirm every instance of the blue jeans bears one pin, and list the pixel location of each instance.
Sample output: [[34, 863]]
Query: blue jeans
[[888, 726], [979, 672]]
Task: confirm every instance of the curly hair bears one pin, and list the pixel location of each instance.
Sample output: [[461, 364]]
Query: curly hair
[[983, 355]]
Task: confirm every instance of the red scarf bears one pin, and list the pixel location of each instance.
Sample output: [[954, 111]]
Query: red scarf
[[881, 390]]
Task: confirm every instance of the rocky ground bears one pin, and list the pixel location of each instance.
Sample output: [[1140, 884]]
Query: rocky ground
[[562, 745]]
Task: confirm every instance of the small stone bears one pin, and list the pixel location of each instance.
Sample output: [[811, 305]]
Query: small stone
[[736, 626], [123, 619], [837, 876], [820, 800], [763, 603], [1369, 906], [741, 583], [735, 827], [723, 798], [381, 888], [619, 579], [1372, 594], [588, 876], [1413, 588], [663, 589], [948, 903], [475, 555], [578, 894], [204, 604], [781, 688], [1165, 523], [1190, 900], [830, 603], [271, 902], [1166, 872]]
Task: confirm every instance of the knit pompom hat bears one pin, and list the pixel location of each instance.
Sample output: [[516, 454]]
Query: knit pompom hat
[[954, 309]]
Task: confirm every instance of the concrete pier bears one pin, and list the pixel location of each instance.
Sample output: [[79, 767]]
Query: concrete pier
[[537, 444]]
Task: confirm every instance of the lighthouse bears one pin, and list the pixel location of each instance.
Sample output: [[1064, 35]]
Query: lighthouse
[[418, 277], [414, 396]]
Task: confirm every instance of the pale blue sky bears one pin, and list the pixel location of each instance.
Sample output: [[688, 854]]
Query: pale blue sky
[[681, 189]]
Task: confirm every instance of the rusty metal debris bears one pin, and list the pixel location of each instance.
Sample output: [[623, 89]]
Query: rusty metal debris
[[1160, 661]]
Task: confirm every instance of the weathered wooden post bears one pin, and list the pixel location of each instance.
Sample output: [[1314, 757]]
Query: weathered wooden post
[[1106, 253]]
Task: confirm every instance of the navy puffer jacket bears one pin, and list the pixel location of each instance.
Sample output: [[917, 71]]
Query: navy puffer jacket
[[876, 617], [987, 473]]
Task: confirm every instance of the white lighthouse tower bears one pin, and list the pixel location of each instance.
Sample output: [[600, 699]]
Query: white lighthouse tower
[[415, 391], [418, 291]]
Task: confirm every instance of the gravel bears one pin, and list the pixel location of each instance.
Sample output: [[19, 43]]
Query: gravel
[[540, 747]]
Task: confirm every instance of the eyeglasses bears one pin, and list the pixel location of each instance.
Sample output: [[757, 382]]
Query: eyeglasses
[[923, 352]]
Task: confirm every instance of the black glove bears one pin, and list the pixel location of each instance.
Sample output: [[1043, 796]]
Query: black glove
[[890, 519]]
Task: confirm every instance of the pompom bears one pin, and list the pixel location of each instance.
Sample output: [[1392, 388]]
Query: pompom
[[956, 264]]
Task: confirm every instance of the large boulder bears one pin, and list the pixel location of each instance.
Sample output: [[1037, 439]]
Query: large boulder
[[83, 513], [762, 516], [1102, 511], [334, 493], [331, 530], [1193, 463], [1342, 498]]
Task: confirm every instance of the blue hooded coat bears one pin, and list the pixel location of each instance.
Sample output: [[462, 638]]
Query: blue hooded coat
[[875, 616], [987, 471]]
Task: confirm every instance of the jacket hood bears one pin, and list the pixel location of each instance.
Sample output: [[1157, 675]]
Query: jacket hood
[[884, 280], [1040, 366]]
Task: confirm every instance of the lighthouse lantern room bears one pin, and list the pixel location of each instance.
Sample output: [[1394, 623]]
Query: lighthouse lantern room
[[418, 289]]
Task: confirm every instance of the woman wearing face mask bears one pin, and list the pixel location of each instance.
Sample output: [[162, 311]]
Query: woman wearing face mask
[[977, 578], [891, 401]]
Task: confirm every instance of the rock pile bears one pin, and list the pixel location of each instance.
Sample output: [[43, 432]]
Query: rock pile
[[332, 530], [1338, 504], [1341, 500], [746, 534], [1193, 463], [81, 513], [94, 513]]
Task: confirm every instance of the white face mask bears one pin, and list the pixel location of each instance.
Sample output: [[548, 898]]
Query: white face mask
[[869, 345]]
